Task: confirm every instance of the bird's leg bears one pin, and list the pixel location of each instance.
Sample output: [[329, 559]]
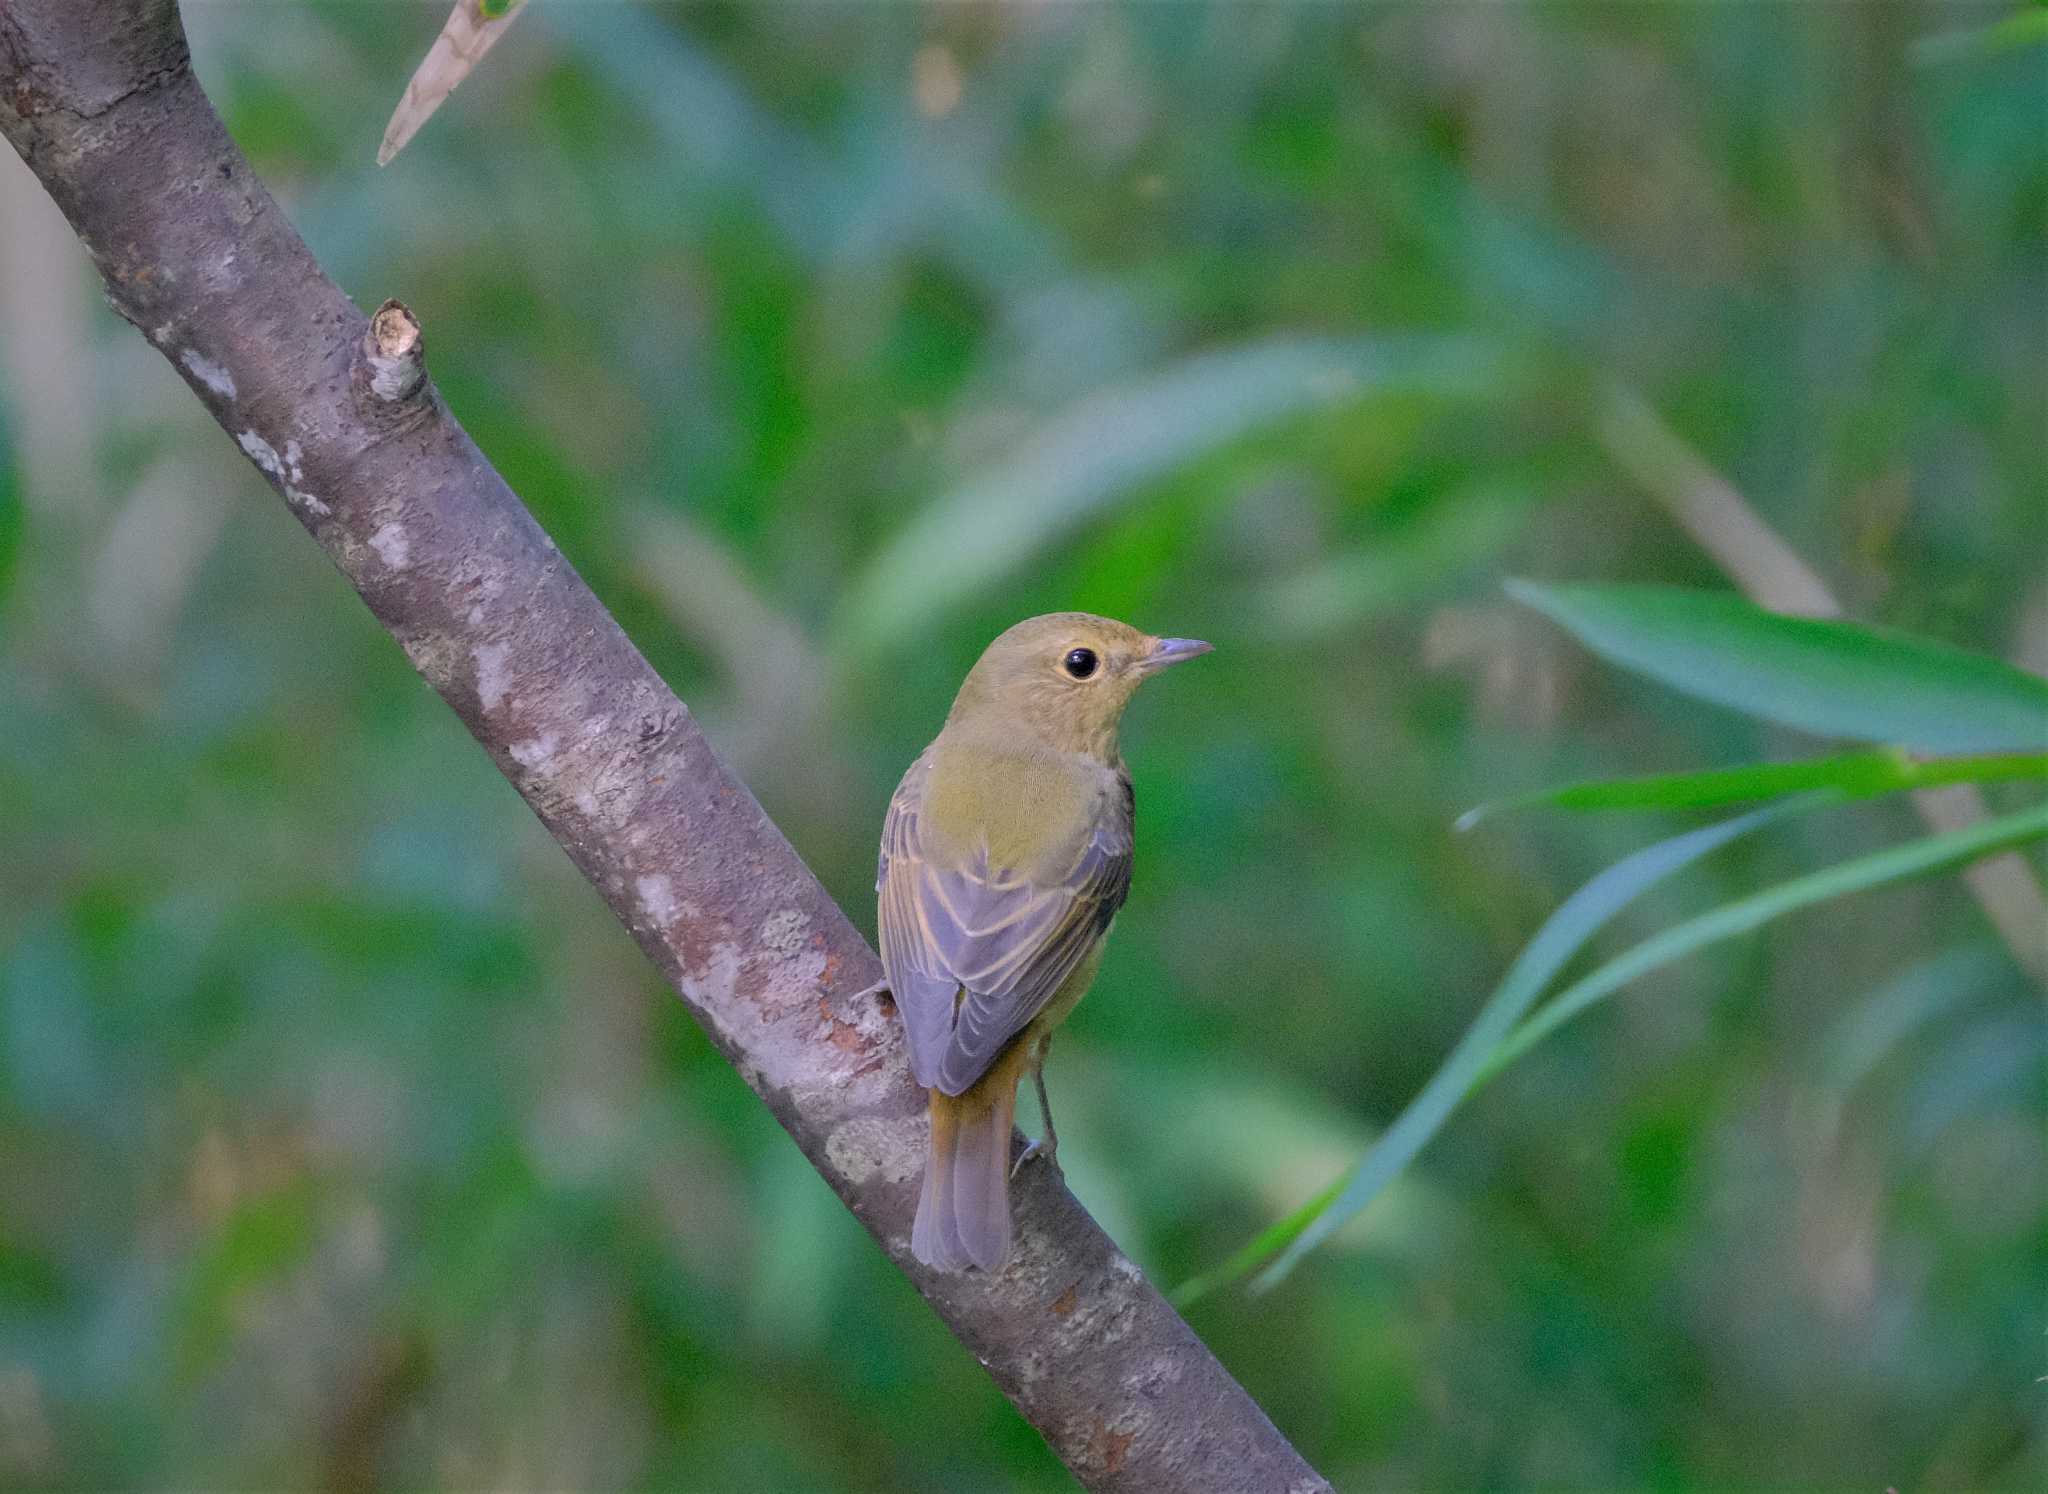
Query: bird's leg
[[1050, 1142], [1048, 1145]]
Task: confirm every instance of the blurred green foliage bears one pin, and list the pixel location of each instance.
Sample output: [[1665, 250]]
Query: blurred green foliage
[[345, 1139]]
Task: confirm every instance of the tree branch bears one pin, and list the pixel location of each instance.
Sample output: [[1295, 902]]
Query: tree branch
[[99, 99]]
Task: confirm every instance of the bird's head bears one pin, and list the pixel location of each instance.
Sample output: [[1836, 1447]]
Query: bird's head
[[1064, 679]]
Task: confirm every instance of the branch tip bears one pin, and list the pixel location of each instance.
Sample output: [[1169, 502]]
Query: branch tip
[[395, 352]]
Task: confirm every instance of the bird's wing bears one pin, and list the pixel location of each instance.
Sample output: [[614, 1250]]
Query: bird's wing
[[926, 992], [974, 952]]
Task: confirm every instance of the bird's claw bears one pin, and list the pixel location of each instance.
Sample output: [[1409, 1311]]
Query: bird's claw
[[1040, 1148]]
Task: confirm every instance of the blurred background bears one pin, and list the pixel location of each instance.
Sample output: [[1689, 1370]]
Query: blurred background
[[346, 1140]]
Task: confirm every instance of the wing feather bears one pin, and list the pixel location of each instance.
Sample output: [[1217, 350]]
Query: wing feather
[[926, 993], [975, 951]]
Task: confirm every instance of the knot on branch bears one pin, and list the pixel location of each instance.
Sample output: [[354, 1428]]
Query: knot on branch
[[394, 353]]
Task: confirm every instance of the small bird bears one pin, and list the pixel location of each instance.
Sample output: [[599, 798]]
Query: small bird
[[1005, 856]]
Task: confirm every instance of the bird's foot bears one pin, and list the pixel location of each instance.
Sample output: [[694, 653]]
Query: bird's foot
[[1047, 1147]]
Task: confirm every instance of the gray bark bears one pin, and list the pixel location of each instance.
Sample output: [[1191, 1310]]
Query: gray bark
[[99, 99]]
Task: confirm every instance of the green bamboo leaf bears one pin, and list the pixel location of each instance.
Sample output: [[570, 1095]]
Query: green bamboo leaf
[[1263, 1247], [1919, 858], [1856, 774], [1494, 1040], [1832, 678], [1582, 915]]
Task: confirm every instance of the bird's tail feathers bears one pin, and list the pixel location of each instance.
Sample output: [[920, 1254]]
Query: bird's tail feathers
[[963, 1214]]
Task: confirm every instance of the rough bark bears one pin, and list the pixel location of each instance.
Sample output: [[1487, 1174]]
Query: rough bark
[[99, 99]]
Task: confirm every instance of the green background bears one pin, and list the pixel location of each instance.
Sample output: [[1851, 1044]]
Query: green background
[[346, 1140]]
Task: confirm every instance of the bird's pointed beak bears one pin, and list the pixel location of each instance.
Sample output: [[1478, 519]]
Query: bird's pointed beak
[[1167, 651]]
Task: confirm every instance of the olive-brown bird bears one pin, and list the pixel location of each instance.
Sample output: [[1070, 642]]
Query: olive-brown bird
[[1005, 857]]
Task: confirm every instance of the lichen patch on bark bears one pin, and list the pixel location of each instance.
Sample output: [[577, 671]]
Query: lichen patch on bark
[[209, 373], [392, 546]]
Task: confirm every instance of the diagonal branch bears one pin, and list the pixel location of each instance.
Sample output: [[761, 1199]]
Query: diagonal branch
[[99, 99]]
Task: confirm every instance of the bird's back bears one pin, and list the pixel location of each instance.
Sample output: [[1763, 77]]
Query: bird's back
[[1030, 809]]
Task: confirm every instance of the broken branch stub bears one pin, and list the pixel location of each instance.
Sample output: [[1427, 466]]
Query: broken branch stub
[[394, 352]]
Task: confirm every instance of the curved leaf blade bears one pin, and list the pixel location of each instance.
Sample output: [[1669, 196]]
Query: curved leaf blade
[[1582, 915], [1274, 1238], [1860, 775], [1479, 1056], [1918, 858], [1832, 678]]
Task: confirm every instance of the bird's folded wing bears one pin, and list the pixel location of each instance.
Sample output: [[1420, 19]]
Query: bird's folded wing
[[974, 952]]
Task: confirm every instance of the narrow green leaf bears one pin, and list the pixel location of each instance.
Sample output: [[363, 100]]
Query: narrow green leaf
[[1919, 858], [1582, 915], [1857, 774], [1832, 678], [1483, 1052], [1272, 1239]]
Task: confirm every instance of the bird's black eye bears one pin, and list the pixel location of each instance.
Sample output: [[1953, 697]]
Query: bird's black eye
[[1080, 663]]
